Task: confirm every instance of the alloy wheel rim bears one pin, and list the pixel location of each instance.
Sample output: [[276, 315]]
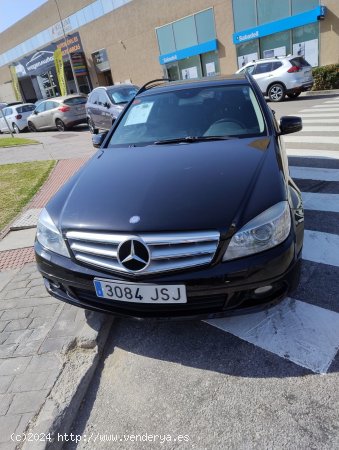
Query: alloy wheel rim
[[276, 92]]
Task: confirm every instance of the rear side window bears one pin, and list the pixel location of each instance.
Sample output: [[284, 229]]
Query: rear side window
[[25, 108], [75, 101], [276, 65], [299, 62], [263, 68], [93, 98]]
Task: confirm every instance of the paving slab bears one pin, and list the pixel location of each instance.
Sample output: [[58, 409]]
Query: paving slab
[[48, 355], [28, 219], [18, 239]]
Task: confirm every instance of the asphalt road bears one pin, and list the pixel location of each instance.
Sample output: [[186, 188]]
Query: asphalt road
[[190, 385]]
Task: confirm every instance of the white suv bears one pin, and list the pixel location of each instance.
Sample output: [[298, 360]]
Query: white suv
[[280, 76]]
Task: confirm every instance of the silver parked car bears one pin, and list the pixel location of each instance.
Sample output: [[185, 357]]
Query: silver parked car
[[280, 76], [59, 112], [106, 103], [16, 117]]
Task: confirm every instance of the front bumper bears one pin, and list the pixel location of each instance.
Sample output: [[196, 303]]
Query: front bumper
[[215, 291]]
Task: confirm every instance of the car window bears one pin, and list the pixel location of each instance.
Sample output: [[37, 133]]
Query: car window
[[201, 112], [299, 62], [249, 69], [102, 98], [75, 101], [51, 105], [93, 98], [8, 111], [263, 68], [276, 65], [40, 107], [25, 108], [122, 95]]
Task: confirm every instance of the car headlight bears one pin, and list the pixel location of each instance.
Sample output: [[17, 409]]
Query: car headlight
[[265, 231], [49, 236]]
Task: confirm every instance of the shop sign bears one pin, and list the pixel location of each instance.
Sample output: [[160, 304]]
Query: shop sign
[[100, 60], [15, 83], [43, 60]]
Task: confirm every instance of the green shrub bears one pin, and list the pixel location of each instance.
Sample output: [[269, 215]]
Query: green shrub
[[326, 77]]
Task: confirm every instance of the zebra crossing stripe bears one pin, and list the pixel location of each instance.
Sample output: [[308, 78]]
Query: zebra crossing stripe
[[297, 331], [318, 120], [312, 153], [321, 128], [314, 173], [319, 114], [323, 106], [321, 247], [312, 139], [320, 110], [321, 202]]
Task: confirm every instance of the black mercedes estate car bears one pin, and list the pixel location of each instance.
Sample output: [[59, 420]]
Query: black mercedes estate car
[[187, 210]]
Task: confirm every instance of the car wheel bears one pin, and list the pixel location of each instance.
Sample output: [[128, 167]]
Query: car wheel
[[60, 125], [32, 127], [16, 129], [294, 94], [91, 127], [276, 92]]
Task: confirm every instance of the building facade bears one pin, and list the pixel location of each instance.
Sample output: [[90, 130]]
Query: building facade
[[104, 42]]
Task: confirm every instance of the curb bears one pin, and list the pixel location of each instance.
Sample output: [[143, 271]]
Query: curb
[[61, 407]]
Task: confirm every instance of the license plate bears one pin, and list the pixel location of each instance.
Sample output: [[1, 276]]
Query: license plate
[[140, 293]]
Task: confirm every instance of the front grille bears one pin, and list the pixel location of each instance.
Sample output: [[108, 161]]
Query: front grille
[[168, 251]]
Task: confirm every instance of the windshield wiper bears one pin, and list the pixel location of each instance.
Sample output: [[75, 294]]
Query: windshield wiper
[[194, 139]]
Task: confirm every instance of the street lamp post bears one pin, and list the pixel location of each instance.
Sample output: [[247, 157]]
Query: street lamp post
[[69, 55]]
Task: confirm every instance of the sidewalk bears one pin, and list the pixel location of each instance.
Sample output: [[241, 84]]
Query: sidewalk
[[48, 349]]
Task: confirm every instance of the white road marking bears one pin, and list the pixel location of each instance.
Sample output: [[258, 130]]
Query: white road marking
[[333, 102], [314, 173], [318, 114], [321, 128], [320, 110], [321, 247], [302, 333], [318, 120], [313, 153], [323, 106], [313, 139], [321, 202]]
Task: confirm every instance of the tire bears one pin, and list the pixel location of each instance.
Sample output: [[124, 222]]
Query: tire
[[32, 127], [16, 129], [91, 127], [60, 125], [276, 92], [293, 95]]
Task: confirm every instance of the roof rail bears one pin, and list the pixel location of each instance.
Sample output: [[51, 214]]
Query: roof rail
[[151, 84]]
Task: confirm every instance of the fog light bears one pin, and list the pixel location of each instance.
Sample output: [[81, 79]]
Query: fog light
[[263, 290]]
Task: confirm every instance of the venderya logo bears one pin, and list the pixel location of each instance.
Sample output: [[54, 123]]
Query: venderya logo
[[245, 37]]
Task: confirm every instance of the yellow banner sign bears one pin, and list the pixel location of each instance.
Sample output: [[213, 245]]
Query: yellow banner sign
[[16, 86], [59, 65]]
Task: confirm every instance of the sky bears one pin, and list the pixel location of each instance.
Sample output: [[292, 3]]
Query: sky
[[13, 10]]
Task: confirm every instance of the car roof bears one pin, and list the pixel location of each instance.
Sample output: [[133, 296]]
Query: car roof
[[61, 98], [115, 86], [198, 83]]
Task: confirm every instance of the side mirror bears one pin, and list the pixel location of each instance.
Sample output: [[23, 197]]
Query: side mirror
[[290, 124], [98, 139], [108, 105], [35, 112]]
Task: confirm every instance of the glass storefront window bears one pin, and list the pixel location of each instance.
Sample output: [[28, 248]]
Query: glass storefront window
[[300, 6], [210, 64], [247, 52], [244, 13], [306, 43], [269, 11], [278, 44], [205, 26], [185, 33], [166, 39], [190, 68]]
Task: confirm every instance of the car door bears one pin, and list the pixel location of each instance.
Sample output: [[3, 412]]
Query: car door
[[49, 113], [7, 112], [103, 110], [38, 119], [263, 74], [91, 108], [3, 126]]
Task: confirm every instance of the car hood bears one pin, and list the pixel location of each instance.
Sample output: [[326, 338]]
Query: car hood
[[192, 186]]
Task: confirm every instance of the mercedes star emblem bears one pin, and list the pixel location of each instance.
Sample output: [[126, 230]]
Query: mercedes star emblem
[[134, 255]]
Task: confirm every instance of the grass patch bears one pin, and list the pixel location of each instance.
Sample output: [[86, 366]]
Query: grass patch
[[18, 184], [14, 142]]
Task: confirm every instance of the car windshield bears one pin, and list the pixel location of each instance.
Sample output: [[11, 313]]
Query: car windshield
[[191, 114], [122, 95]]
